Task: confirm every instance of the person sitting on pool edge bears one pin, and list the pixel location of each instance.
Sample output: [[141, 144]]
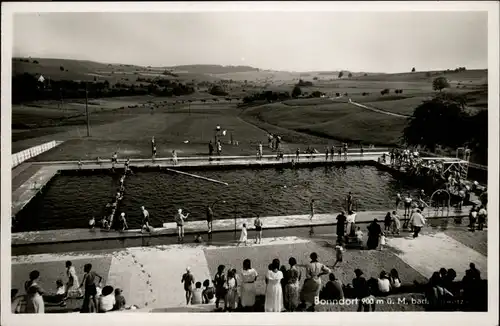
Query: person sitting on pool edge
[[198, 238]]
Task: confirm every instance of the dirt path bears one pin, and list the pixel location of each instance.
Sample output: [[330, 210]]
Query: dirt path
[[378, 110]]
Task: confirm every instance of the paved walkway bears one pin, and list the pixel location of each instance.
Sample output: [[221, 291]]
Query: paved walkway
[[150, 277], [430, 252]]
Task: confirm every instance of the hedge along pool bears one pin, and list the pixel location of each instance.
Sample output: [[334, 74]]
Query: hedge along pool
[[69, 200]]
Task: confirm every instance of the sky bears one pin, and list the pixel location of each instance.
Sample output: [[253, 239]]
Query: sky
[[292, 41]]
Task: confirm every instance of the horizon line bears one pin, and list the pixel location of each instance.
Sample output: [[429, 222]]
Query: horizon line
[[260, 69]]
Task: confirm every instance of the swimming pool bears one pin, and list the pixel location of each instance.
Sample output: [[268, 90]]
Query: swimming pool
[[71, 199]]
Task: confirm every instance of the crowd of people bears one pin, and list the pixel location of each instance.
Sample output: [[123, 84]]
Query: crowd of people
[[299, 287], [452, 179], [444, 293], [96, 297]]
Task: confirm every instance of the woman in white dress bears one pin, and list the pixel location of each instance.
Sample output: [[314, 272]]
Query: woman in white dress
[[351, 223], [248, 278], [73, 285], [274, 292], [244, 235]]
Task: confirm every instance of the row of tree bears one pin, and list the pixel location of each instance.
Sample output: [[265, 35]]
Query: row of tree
[[27, 87], [425, 127]]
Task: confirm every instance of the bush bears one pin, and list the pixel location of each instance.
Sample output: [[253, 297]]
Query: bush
[[217, 91], [296, 91], [384, 91]]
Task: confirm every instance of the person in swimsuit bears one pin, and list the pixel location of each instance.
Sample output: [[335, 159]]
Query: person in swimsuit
[[179, 219], [311, 206], [188, 280], [258, 229], [90, 284], [114, 159], [145, 220], [210, 218]]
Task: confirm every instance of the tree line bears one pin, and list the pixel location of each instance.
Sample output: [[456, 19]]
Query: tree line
[[27, 87], [425, 126]]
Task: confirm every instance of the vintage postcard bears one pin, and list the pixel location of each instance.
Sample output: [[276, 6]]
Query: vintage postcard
[[214, 163]]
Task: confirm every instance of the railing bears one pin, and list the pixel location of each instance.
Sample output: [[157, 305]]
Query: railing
[[22, 156]]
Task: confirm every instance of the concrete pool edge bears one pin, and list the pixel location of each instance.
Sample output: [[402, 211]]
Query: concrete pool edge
[[49, 237], [26, 191]]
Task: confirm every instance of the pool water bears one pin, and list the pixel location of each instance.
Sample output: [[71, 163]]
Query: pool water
[[70, 200]]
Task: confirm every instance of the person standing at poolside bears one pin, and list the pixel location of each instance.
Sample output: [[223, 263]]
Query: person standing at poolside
[[351, 223], [260, 151], [210, 148], [258, 229], [396, 223], [219, 283], [188, 280], [274, 292], [349, 201], [174, 157], [123, 222], [417, 220], [326, 153], [332, 152], [73, 285], [89, 283], [311, 207], [481, 217], [341, 221], [407, 203], [180, 219], [114, 160], [398, 200], [248, 279], [210, 218], [153, 147], [243, 236], [312, 284], [374, 232], [219, 148], [145, 220]]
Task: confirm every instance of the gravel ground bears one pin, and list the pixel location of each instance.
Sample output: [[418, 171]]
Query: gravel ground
[[51, 271], [477, 240], [370, 262]]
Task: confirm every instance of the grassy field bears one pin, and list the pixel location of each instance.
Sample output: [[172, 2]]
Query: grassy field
[[337, 121], [127, 123]]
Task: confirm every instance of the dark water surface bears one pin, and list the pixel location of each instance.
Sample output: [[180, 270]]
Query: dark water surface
[[70, 200]]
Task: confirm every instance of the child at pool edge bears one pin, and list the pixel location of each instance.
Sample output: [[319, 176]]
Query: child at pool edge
[[243, 236], [382, 241], [92, 223]]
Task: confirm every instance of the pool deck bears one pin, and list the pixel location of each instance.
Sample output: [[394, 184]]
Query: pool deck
[[193, 227], [27, 190]]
